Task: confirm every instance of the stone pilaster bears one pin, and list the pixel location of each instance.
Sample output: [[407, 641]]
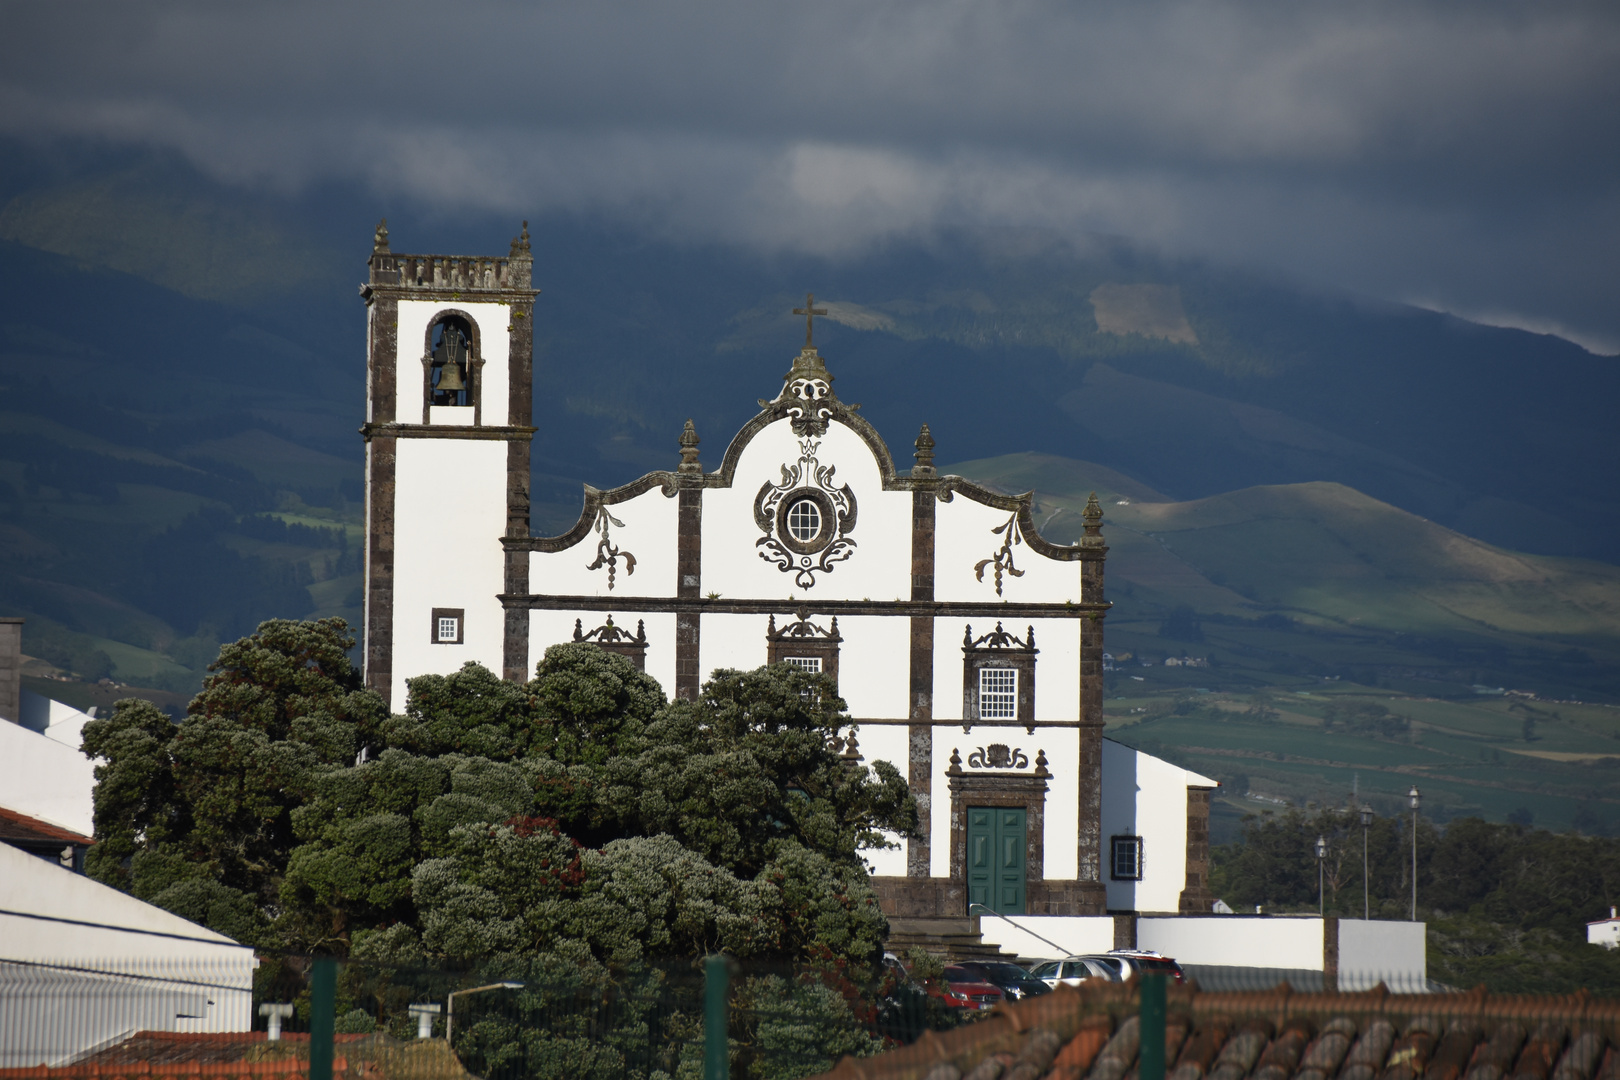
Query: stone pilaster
[[920, 741], [1093, 893], [688, 565], [1196, 899]]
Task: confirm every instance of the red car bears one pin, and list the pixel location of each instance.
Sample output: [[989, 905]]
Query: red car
[[966, 989]]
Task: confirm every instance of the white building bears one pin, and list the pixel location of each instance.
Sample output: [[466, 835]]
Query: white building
[[969, 648], [83, 966], [1605, 932]]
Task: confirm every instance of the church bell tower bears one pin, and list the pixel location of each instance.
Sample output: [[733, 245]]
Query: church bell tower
[[449, 404]]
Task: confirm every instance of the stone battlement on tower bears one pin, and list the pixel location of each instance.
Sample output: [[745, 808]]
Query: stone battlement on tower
[[453, 273]]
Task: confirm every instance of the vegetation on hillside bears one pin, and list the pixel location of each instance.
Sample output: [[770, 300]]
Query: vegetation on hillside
[[1506, 906]]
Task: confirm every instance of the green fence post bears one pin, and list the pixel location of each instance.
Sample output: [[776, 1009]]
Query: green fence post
[[1152, 1030], [716, 1022], [322, 1016]]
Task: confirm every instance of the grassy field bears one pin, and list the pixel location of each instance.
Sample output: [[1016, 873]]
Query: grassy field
[[1492, 675]]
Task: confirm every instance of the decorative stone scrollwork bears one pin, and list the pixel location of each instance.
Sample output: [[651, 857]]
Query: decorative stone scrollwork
[[848, 750], [999, 639], [607, 553], [615, 639], [1002, 560], [809, 412], [998, 756], [806, 518]]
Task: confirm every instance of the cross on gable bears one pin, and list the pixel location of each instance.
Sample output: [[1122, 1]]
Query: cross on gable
[[809, 311]]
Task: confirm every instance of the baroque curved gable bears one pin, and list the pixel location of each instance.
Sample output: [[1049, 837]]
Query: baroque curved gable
[[808, 403]]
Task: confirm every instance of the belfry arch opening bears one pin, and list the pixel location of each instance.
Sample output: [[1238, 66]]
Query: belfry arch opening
[[451, 366]]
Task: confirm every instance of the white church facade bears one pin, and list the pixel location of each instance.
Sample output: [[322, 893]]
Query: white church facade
[[968, 647]]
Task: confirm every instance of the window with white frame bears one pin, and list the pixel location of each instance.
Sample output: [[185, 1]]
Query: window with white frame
[[998, 693], [448, 627], [1125, 862], [810, 665]]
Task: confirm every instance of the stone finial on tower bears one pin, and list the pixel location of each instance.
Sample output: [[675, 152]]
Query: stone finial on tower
[[924, 454], [1092, 516], [689, 450], [379, 239], [520, 243]]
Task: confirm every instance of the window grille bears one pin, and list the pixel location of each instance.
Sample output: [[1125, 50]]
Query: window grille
[[998, 693], [1126, 858], [804, 521], [810, 665], [449, 629]]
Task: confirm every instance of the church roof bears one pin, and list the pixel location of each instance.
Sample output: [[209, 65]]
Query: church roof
[[1091, 1033]]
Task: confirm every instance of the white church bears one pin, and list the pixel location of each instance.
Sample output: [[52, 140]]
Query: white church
[[968, 647]]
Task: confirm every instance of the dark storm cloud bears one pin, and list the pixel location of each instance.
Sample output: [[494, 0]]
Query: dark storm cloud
[[1462, 155]]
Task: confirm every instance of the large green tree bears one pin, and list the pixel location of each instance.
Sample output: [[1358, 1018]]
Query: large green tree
[[579, 816], [197, 816]]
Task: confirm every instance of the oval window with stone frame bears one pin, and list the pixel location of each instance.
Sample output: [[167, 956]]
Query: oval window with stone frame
[[805, 522]]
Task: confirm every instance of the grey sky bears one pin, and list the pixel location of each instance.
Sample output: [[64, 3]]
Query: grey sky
[[1460, 155]]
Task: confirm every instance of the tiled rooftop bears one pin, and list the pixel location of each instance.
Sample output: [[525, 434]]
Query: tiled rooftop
[[1091, 1033], [247, 1055], [19, 827]]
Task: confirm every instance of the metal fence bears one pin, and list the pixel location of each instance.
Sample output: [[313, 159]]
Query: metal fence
[[511, 1022], [524, 1020]]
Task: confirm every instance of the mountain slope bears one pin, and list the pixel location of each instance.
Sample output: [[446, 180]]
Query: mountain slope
[[1350, 646]]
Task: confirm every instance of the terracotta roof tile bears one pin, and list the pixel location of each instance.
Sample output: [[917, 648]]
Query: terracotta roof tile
[[1093, 1033], [19, 826]]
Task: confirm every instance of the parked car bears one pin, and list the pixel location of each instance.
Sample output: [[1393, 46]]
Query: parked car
[[1146, 960], [1115, 966], [1015, 983], [1075, 970], [968, 989]]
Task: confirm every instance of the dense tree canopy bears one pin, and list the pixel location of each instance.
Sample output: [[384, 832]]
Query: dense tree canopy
[[577, 818], [1506, 905]]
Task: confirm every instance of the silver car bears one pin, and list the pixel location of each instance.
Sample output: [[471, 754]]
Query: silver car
[[1075, 970]]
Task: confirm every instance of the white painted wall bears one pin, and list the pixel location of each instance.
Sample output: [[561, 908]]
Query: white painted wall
[[1146, 796], [1375, 950], [1057, 665], [45, 778], [885, 742], [1263, 941], [649, 533], [1605, 933], [493, 319], [53, 917], [879, 568], [55, 720], [965, 534], [449, 514], [1064, 935]]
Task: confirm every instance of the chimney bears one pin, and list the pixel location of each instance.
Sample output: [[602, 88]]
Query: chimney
[[11, 669]]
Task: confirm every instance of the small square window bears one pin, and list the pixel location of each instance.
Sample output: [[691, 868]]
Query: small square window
[[1126, 858], [998, 693], [449, 626], [810, 665]]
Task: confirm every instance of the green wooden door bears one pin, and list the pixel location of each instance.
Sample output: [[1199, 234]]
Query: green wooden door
[[995, 858]]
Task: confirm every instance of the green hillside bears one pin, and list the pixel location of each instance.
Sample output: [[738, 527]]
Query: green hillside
[[1349, 644]]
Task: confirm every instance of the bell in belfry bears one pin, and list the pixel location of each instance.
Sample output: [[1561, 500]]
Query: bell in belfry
[[450, 358], [450, 378]]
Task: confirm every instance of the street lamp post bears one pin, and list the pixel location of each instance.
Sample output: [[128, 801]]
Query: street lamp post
[[1321, 857], [450, 1002], [1366, 894], [1416, 798]]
